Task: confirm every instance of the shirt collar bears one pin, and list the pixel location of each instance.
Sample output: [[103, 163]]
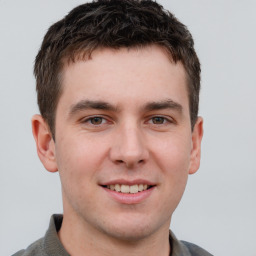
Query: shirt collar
[[177, 248], [51, 242]]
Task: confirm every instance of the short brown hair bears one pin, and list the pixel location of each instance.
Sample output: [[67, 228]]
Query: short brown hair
[[111, 24]]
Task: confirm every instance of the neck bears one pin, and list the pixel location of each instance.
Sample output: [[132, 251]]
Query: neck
[[86, 240]]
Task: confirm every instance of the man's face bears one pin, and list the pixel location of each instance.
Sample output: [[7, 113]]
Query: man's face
[[123, 123]]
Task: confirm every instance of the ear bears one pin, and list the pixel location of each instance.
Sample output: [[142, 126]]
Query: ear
[[195, 154], [44, 143]]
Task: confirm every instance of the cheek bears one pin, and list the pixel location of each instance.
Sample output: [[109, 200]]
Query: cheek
[[173, 158], [173, 155], [80, 159], [77, 169], [79, 152], [76, 162]]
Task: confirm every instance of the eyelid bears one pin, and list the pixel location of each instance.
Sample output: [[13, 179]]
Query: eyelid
[[86, 119], [108, 120], [168, 119]]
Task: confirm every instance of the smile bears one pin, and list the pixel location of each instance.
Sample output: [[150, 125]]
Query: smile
[[129, 192], [122, 188]]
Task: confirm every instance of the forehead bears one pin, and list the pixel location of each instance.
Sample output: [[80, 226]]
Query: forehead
[[124, 74]]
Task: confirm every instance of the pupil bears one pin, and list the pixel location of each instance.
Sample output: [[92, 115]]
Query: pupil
[[96, 120], [158, 120]]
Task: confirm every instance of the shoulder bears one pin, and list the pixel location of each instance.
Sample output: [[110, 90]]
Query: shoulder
[[35, 249], [183, 248], [48, 245], [194, 249]]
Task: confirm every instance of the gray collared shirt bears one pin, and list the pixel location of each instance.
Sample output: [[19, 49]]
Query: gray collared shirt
[[50, 244]]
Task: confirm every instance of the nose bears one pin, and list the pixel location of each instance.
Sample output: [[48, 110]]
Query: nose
[[129, 147]]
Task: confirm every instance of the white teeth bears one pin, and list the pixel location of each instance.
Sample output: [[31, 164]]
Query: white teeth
[[140, 187], [125, 189], [128, 189], [117, 188], [134, 189]]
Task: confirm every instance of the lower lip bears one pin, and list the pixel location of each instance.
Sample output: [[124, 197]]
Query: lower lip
[[128, 198]]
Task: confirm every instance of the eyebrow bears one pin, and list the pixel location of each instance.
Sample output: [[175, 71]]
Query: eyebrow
[[102, 105], [165, 104], [90, 104]]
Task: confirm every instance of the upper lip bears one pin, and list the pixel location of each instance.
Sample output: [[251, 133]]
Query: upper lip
[[128, 182]]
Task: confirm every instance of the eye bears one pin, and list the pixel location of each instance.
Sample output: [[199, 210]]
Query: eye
[[97, 120], [94, 121], [159, 120]]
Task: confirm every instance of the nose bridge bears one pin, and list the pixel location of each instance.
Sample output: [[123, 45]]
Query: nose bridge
[[130, 145]]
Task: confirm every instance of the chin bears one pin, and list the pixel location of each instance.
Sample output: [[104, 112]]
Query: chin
[[131, 230], [130, 234]]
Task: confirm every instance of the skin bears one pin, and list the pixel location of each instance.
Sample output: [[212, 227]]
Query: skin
[[142, 132]]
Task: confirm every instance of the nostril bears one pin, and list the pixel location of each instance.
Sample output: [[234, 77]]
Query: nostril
[[129, 163]]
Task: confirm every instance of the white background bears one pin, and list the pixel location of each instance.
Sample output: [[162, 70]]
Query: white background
[[218, 210]]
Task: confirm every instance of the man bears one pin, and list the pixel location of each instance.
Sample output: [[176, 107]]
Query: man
[[118, 89]]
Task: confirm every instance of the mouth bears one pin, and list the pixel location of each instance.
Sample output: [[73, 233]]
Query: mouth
[[129, 192], [128, 189]]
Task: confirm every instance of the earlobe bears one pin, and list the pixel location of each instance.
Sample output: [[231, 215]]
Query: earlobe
[[195, 155], [44, 143]]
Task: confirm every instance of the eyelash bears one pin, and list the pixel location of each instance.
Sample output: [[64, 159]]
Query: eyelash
[[162, 118], [90, 119], [165, 120]]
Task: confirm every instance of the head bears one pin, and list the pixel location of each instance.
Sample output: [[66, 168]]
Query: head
[[118, 85], [111, 24]]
